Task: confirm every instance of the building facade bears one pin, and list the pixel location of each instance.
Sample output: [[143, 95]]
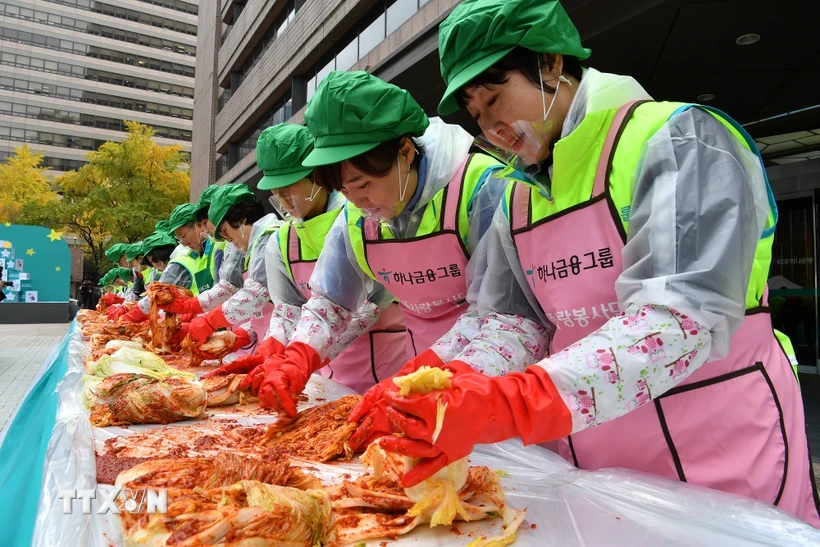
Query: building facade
[[264, 58], [71, 72]]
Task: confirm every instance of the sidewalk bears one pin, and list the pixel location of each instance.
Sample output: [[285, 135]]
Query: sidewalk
[[23, 350]]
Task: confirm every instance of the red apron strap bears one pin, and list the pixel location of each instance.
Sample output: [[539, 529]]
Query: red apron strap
[[520, 206], [605, 162], [294, 252], [451, 201]]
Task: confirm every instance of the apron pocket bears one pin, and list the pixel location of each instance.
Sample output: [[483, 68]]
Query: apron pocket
[[727, 433], [388, 353]]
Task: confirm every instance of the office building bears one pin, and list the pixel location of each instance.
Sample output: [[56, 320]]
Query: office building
[[72, 70]]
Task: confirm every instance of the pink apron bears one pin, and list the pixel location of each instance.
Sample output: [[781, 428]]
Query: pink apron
[[427, 274], [735, 425], [375, 355]]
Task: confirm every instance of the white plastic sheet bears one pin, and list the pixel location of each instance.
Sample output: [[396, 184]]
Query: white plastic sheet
[[565, 506]]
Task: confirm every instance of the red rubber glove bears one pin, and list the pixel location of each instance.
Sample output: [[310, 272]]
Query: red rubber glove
[[134, 316], [183, 306], [246, 363], [480, 409], [243, 339], [180, 335], [115, 312], [202, 326], [280, 380], [371, 409]]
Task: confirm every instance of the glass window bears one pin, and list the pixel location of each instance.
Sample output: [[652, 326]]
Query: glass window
[[19, 109], [348, 56], [371, 36], [12, 10], [399, 12], [8, 58]]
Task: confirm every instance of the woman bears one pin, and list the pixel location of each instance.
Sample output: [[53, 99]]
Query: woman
[[240, 219], [192, 269], [291, 255], [644, 244], [116, 254], [227, 266], [419, 203], [158, 248], [133, 258]]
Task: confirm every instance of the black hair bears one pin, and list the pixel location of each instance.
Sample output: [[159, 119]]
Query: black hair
[[526, 62], [248, 211], [201, 214], [376, 162], [162, 253]]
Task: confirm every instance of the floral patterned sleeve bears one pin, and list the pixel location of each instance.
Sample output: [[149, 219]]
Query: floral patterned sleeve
[[360, 322], [283, 322], [322, 322], [247, 302], [629, 361], [216, 295], [504, 343]]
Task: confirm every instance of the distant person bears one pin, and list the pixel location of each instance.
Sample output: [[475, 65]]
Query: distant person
[[86, 293]]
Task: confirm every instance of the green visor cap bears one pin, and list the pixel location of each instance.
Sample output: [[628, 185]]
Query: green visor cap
[[182, 215], [133, 251], [161, 227], [479, 33], [123, 273], [115, 251], [227, 197], [206, 197], [353, 112], [157, 239], [280, 151]]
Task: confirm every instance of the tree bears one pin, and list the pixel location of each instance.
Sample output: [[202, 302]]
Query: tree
[[123, 190], [22, 181]]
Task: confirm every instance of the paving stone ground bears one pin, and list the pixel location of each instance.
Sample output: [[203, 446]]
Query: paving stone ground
[[23, 352]]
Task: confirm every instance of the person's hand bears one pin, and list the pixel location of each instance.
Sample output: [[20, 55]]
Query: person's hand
[[134, 316], [478, 409], [202, 326], [282, 378], [115, 312], [371, 409], [245, 364], [183, 305]]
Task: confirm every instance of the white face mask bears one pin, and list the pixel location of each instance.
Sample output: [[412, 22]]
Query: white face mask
[[402, 189]]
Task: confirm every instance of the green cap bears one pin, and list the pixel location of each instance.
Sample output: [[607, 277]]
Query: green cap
[[161, 227], [115, 251], [227, 197], [280, 151], [182, 215], [124, 273], [479, 33], [206, 197], [157, 239], [133, 251], [353, 112]]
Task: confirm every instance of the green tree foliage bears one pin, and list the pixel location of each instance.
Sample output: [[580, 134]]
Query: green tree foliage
[[22, 180], [125, 188]]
